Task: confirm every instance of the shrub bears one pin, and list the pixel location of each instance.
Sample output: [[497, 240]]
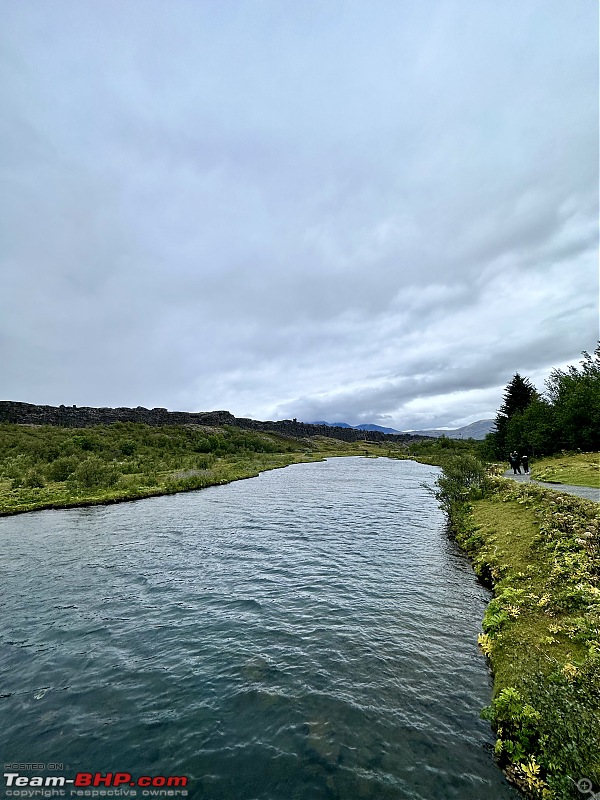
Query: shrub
[[34, 480], [464, 478], [515, 721], [86, 442], [60, 469], [94, 473], [568, 727], [17, 467], [204, 462], [552, 721], [127, 448]]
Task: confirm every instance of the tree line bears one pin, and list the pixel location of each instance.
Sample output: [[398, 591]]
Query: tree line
[[564, 417]]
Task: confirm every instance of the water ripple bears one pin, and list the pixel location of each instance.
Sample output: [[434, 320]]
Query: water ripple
[[307, 634]]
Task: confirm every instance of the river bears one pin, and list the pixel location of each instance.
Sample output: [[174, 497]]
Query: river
[[308, 634]]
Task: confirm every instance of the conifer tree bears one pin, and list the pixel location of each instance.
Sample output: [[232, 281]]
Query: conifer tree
[[517, 396]]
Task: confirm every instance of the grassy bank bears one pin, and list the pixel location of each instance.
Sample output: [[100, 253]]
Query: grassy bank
[[540, 552], [52, 467], [577, 469]]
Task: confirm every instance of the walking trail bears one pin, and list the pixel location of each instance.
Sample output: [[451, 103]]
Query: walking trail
[[588, 492]]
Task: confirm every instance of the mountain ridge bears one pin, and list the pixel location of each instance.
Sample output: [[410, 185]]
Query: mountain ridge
[[474, 430]]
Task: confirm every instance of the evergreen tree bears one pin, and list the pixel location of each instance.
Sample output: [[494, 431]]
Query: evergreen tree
[[517, 396]]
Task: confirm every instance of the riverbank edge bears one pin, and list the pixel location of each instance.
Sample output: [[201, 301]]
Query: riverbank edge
[[190, 484], [462, 521]]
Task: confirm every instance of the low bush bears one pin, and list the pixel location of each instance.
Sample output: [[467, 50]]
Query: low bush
[[34, 480], [94, 473], [60, 469], [463, 479]]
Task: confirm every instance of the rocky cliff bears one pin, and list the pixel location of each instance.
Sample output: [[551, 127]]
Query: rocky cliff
[[82, 417]]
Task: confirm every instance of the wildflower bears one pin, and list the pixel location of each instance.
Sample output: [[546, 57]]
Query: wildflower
[[544, 600], [555, 628]]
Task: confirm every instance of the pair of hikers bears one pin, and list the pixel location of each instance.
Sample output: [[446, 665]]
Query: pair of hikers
[[517, 461]]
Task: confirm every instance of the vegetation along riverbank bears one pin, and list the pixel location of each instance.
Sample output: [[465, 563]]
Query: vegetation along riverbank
[[46, 466], [51, 466], [539, 550]]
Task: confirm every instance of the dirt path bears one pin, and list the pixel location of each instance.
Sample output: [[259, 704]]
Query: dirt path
[[587, 492]]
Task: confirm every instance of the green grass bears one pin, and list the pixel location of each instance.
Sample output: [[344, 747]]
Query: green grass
[[577, 469], [540, 551]]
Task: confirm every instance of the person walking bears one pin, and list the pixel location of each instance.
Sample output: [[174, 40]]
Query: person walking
[[515, 462], [525, 463]]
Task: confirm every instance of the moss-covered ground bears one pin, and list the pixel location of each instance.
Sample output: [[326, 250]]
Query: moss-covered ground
[[540, 552]]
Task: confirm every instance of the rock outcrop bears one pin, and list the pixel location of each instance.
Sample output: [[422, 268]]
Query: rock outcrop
[[83, 417]]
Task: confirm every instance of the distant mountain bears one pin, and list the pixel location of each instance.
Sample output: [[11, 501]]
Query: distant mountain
[[355, 427], [376, 428], [480, 428], [476, 430], [331, 424]]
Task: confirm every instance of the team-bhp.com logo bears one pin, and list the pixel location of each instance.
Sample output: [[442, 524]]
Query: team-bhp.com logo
[[90, 780]]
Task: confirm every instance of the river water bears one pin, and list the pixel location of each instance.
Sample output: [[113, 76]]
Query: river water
[[307, 634]]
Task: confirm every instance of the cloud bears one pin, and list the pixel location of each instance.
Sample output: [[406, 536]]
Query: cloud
[[333, 212]]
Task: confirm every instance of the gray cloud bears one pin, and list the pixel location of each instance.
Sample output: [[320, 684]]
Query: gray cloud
[[355, 211]]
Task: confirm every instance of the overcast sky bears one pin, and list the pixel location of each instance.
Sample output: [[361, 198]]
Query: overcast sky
[[357, 210]]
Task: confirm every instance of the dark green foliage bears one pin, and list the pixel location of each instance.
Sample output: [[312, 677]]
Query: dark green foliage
[[124, 455], [463, 478], [539, 427], [94, 473], [442, 451], [87, 442], [60, 469], [34, 480], [205, 462], [495, 617], [517, 396], [575, 397], [567, 418], [568, 724], [518, 721], [554, 718]]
